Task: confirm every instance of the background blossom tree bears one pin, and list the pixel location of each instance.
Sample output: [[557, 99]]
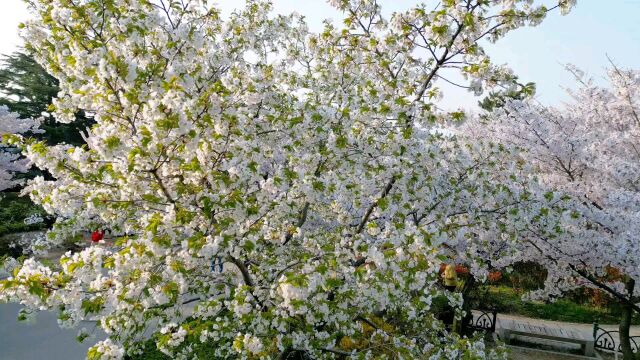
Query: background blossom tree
[[308, 162], [10, 161], [588, 149]]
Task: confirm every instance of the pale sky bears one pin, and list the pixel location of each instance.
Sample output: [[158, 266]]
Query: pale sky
[[593, 30]]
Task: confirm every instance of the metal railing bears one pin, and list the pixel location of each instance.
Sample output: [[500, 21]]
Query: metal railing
[[483, 320], [609, 340]]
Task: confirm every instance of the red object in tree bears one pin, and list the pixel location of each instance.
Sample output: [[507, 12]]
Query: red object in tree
[[97, 235], [461, 269], [495, 276]]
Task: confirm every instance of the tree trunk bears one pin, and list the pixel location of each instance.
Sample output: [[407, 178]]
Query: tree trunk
[[460, 326], [625, 324]]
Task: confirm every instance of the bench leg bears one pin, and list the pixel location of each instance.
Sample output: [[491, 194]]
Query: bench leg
[[506, 334], [589, 349]]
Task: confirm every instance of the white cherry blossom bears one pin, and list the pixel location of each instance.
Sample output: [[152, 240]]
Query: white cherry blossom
[[307, 162]]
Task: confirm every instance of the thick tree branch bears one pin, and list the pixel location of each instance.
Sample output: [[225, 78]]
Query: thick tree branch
[[372, 207]]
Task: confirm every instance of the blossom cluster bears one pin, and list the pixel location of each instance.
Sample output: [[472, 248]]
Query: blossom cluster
[[10, 161]]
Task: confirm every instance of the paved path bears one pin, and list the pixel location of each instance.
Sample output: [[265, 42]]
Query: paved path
[[40, 339]]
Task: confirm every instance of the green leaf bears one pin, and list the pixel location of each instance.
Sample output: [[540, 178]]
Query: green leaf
[[92, 306]]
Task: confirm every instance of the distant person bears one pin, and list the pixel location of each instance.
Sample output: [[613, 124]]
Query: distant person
[[450, 277], [97, 235], [217, 262]]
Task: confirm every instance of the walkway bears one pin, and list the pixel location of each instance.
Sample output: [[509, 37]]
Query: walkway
[[31, 341]]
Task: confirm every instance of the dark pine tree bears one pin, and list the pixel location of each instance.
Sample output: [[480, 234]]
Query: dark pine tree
[[27, 89]]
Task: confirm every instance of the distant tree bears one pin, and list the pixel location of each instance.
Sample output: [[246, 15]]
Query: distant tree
[[10, 162], [28, 90], [590, 150]]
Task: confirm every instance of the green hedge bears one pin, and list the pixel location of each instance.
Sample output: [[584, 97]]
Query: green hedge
[[13, 210]]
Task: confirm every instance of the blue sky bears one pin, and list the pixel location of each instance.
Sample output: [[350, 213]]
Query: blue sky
[[593, 30]]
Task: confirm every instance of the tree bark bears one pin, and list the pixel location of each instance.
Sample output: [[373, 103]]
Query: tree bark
[[625, 324], [460, 326]]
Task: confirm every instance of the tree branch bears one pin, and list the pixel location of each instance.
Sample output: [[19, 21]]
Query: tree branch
[[369, 211]]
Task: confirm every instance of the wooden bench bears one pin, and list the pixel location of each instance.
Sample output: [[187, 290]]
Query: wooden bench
[[509, 328]]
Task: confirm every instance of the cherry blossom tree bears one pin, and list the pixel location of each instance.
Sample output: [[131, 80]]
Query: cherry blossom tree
[[588, 149], [10, 162], [307, 162]]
